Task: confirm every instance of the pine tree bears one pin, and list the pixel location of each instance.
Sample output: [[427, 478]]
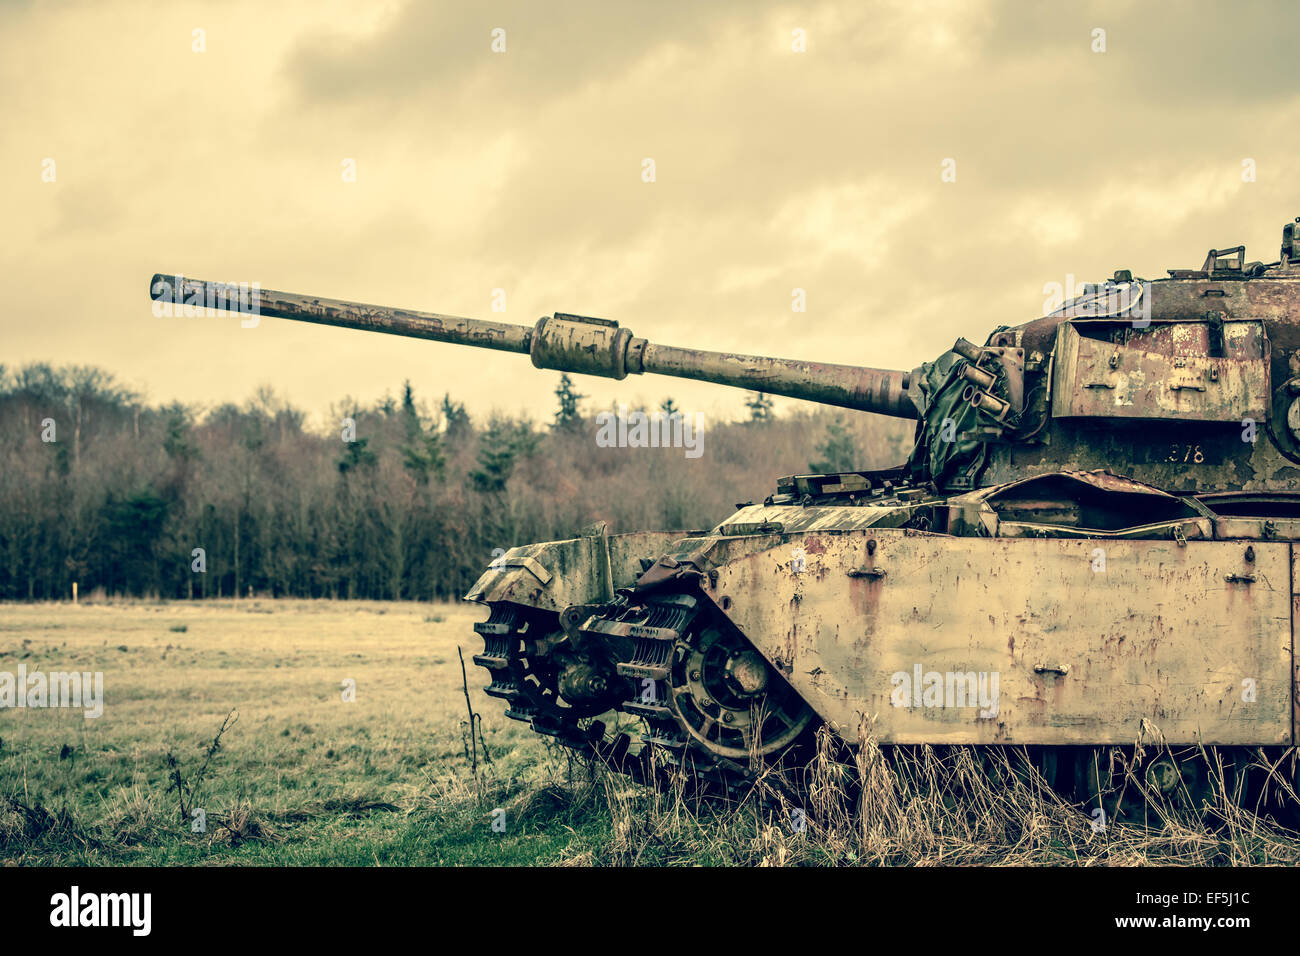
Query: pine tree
[[455, 419], [760, 407], [357, 455], [177, 438], [422, 451], [502, 443], [567, 416], [839, 449]]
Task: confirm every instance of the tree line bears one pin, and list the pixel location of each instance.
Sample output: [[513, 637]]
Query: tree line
[[401, 498]]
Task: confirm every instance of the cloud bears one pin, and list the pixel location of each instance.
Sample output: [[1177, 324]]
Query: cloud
[[522, 171]]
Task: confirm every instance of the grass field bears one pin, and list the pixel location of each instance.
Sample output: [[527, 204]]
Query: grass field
[[303, 777]]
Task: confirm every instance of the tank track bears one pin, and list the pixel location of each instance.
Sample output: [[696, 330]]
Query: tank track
[[641, 643]]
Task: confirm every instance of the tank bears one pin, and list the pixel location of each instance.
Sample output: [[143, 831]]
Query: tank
[[1088, 556]]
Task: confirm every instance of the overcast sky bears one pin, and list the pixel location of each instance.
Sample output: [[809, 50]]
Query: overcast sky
[[522, 170]]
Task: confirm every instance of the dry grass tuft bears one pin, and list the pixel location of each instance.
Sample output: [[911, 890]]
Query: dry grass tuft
[[926, 806]]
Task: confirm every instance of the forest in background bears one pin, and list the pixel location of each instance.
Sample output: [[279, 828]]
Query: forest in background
[[100, 488]]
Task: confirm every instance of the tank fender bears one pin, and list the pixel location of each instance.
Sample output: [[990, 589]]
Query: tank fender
[[554, 575]]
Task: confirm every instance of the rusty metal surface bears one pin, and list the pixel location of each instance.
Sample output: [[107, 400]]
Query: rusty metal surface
[[1266, 529], [1182, 458], [1079, 505], [355, 315], [1161, 635], [1100, 479], [883, 391], [581, 345], [553, 575], [1273, 297], [796, 520], [1163, 372]]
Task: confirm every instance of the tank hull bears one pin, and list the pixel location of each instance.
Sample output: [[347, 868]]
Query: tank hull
[[997, 618]]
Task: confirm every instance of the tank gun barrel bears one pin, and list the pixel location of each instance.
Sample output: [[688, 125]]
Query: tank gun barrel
[[563, 342], [883, 391]]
